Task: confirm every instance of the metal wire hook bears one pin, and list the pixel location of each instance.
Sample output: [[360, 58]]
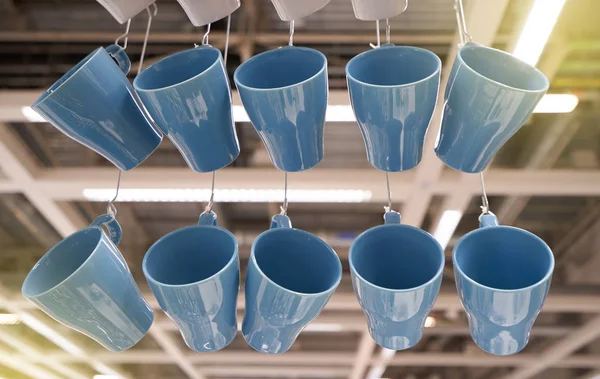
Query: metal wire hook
[[124, 35], [284, 206], [378, 36], [226, 52], [110, 208], [291, 41], [388, 30], [211, 201], [205, 37], [485, 207], [389, 192], [463, 34], [150, 16]]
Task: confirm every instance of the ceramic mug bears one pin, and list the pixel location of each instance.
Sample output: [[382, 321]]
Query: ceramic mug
[[396, 273], [83, 282], [124, 10], [393, 92], [94, 104], [289, 10], [285, 94], [503, 276], [203, 12], [489, 96], [372, 10], [188, 96], [194, 274], [291, 276]]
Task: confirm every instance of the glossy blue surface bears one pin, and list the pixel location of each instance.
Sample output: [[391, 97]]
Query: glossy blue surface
[[489, 96], [194, 274], [291, 276], [285, 94], [84, 283], [503, 276], [188, 96], [393, 92], [95, 105], [396, 273]]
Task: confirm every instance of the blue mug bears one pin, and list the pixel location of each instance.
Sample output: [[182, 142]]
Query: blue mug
[[188, 96], [194, 274], [503, 276], [396, 273], [83, 282], [94, 104], [285, 94], [489, 96], [393, 92], [291, 276]]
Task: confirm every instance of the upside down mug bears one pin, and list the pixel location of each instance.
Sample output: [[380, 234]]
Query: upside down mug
[[194, 274], [393, 91], [94, 104], [285, 94], [83, 282], [489, 96], [396, 273], [291, 276], [188, 96], [503, 276]]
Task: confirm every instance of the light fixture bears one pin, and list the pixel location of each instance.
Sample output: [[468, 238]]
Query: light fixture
[[446, 227], [376, 371], [430, 322], [51, 334], [537, 29], [106, 372], [557, 103], [228, 195], [107, 377], [9, 319], [32, 115]]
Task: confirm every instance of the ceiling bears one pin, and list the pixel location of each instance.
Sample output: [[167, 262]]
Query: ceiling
[[546, 180]]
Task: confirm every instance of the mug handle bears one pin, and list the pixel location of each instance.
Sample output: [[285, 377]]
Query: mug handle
[[118, 54], [115, 232], [280, 221], [208, 219], [391, 217], [487, 220]]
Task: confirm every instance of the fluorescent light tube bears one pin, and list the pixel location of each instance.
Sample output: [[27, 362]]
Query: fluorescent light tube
[[51, 335], [31, 115], [446, 227], [430, 322], [228, 195], [9, 319], [557, 103], [539, 25]]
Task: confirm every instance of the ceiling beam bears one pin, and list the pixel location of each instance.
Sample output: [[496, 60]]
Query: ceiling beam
[[21, 365], [167, 343]]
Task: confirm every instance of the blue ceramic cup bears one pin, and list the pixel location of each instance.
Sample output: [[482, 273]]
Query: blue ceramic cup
[[94, 104], [194, 274], [83, 282], [291, 276], [503, 276], [489, 96], [393, 92], [285, 94], [188, 96], [396, 273]]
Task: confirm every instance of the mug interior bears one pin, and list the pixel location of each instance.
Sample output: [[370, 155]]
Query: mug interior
[[61, 261], [189, 255], [176, 68], [297, 260], [279, 68], [503, 68], [503, 257], [68, 75], [393, 66], [396, 257]]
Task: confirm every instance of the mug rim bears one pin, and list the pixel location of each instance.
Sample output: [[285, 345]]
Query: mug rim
[[272, 51], [73, 71], [272, 282], [547, 249], [72, 274], [436, 72], [438, 273], [173, 56], [473, 45], [234, 257]]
